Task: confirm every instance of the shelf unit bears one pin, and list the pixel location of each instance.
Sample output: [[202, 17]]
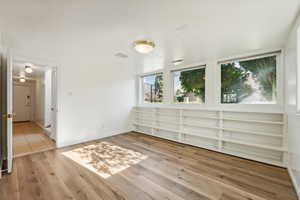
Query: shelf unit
[[257, 136]]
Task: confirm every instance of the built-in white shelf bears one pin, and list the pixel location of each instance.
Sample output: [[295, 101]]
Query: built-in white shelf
[[254, 121], [203, 117], [200, 126], [257, 136], [253, 132], [253, 157], [198, 135], [255, 145]]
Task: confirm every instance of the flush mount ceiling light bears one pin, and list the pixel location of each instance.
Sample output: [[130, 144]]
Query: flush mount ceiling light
[[22, 79], [28, 69], [143, 46]]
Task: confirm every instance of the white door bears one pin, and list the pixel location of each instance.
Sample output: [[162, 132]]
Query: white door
[[54, 104], [10, 111], [48, 98], [22, 103], [6, 108]]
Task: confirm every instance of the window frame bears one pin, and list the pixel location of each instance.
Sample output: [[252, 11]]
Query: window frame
[[279, 78], [213, 84], [298, 71], [141, 89], [171, 72]]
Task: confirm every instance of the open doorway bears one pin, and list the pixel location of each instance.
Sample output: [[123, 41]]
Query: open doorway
[[33, 96]]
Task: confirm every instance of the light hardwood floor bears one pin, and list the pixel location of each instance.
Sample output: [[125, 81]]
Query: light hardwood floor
[[29, 138], [166, 170]]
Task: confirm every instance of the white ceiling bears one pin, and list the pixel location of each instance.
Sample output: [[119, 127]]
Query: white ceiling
[[193, 29]]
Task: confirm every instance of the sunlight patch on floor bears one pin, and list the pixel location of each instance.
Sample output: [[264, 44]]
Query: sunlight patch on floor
[[104, 158]]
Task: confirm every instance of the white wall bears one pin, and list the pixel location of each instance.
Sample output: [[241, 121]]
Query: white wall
[[291, 106], [39, 113], [95, 94], [95, 99]]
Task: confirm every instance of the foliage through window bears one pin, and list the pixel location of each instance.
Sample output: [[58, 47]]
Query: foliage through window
[[249, 82], [153, 88], [189, 86]]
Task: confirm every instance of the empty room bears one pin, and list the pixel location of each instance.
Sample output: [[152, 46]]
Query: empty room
[[150, 100]]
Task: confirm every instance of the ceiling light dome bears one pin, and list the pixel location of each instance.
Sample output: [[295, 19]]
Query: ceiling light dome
[[143, 46], [22, 79], [28, 69]]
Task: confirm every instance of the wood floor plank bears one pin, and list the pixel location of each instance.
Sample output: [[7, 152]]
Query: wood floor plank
[[154, 190], [230, 179], [55, 189], [28, 182], [168, 170], [29, 138], [9, 186], [259, 168], [279, 175], [78, 187], [207, 187]]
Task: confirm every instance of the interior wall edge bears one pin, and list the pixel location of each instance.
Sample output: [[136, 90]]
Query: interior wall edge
[[291, 68], [294, 180]]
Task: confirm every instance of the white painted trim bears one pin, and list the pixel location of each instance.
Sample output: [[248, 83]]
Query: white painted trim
[[213, 85], [187, 67], [171, 84], [294, 181], [191, 107], [151, 73], [274, 153], [47, 131], [51, 65], [252, 54], [41, 126], [298, 70], [141, 91], [279, 83], [10, 109]]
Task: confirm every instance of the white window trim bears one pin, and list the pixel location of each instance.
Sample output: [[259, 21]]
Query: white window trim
[[141, 88], [298, 72], [279, 81], [213, 85], [171, 71]]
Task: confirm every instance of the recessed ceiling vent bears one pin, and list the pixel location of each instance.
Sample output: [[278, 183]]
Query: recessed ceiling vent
[[121, 55], [178, 61], [181, 27]]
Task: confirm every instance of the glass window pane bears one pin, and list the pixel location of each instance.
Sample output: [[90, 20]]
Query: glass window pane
[[189, 86], [153, 88], [249, 82]]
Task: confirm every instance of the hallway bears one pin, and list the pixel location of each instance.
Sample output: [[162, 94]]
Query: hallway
[[29, 138]]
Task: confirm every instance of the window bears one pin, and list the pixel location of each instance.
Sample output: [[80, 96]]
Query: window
[[298, 69], [251, 81], [153, 88], [189, 85]]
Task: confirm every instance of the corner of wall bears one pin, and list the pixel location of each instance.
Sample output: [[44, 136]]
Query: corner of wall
[[295, 183], [79, 141]]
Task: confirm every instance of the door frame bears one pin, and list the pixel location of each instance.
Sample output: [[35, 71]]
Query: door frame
[[54, 84]]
